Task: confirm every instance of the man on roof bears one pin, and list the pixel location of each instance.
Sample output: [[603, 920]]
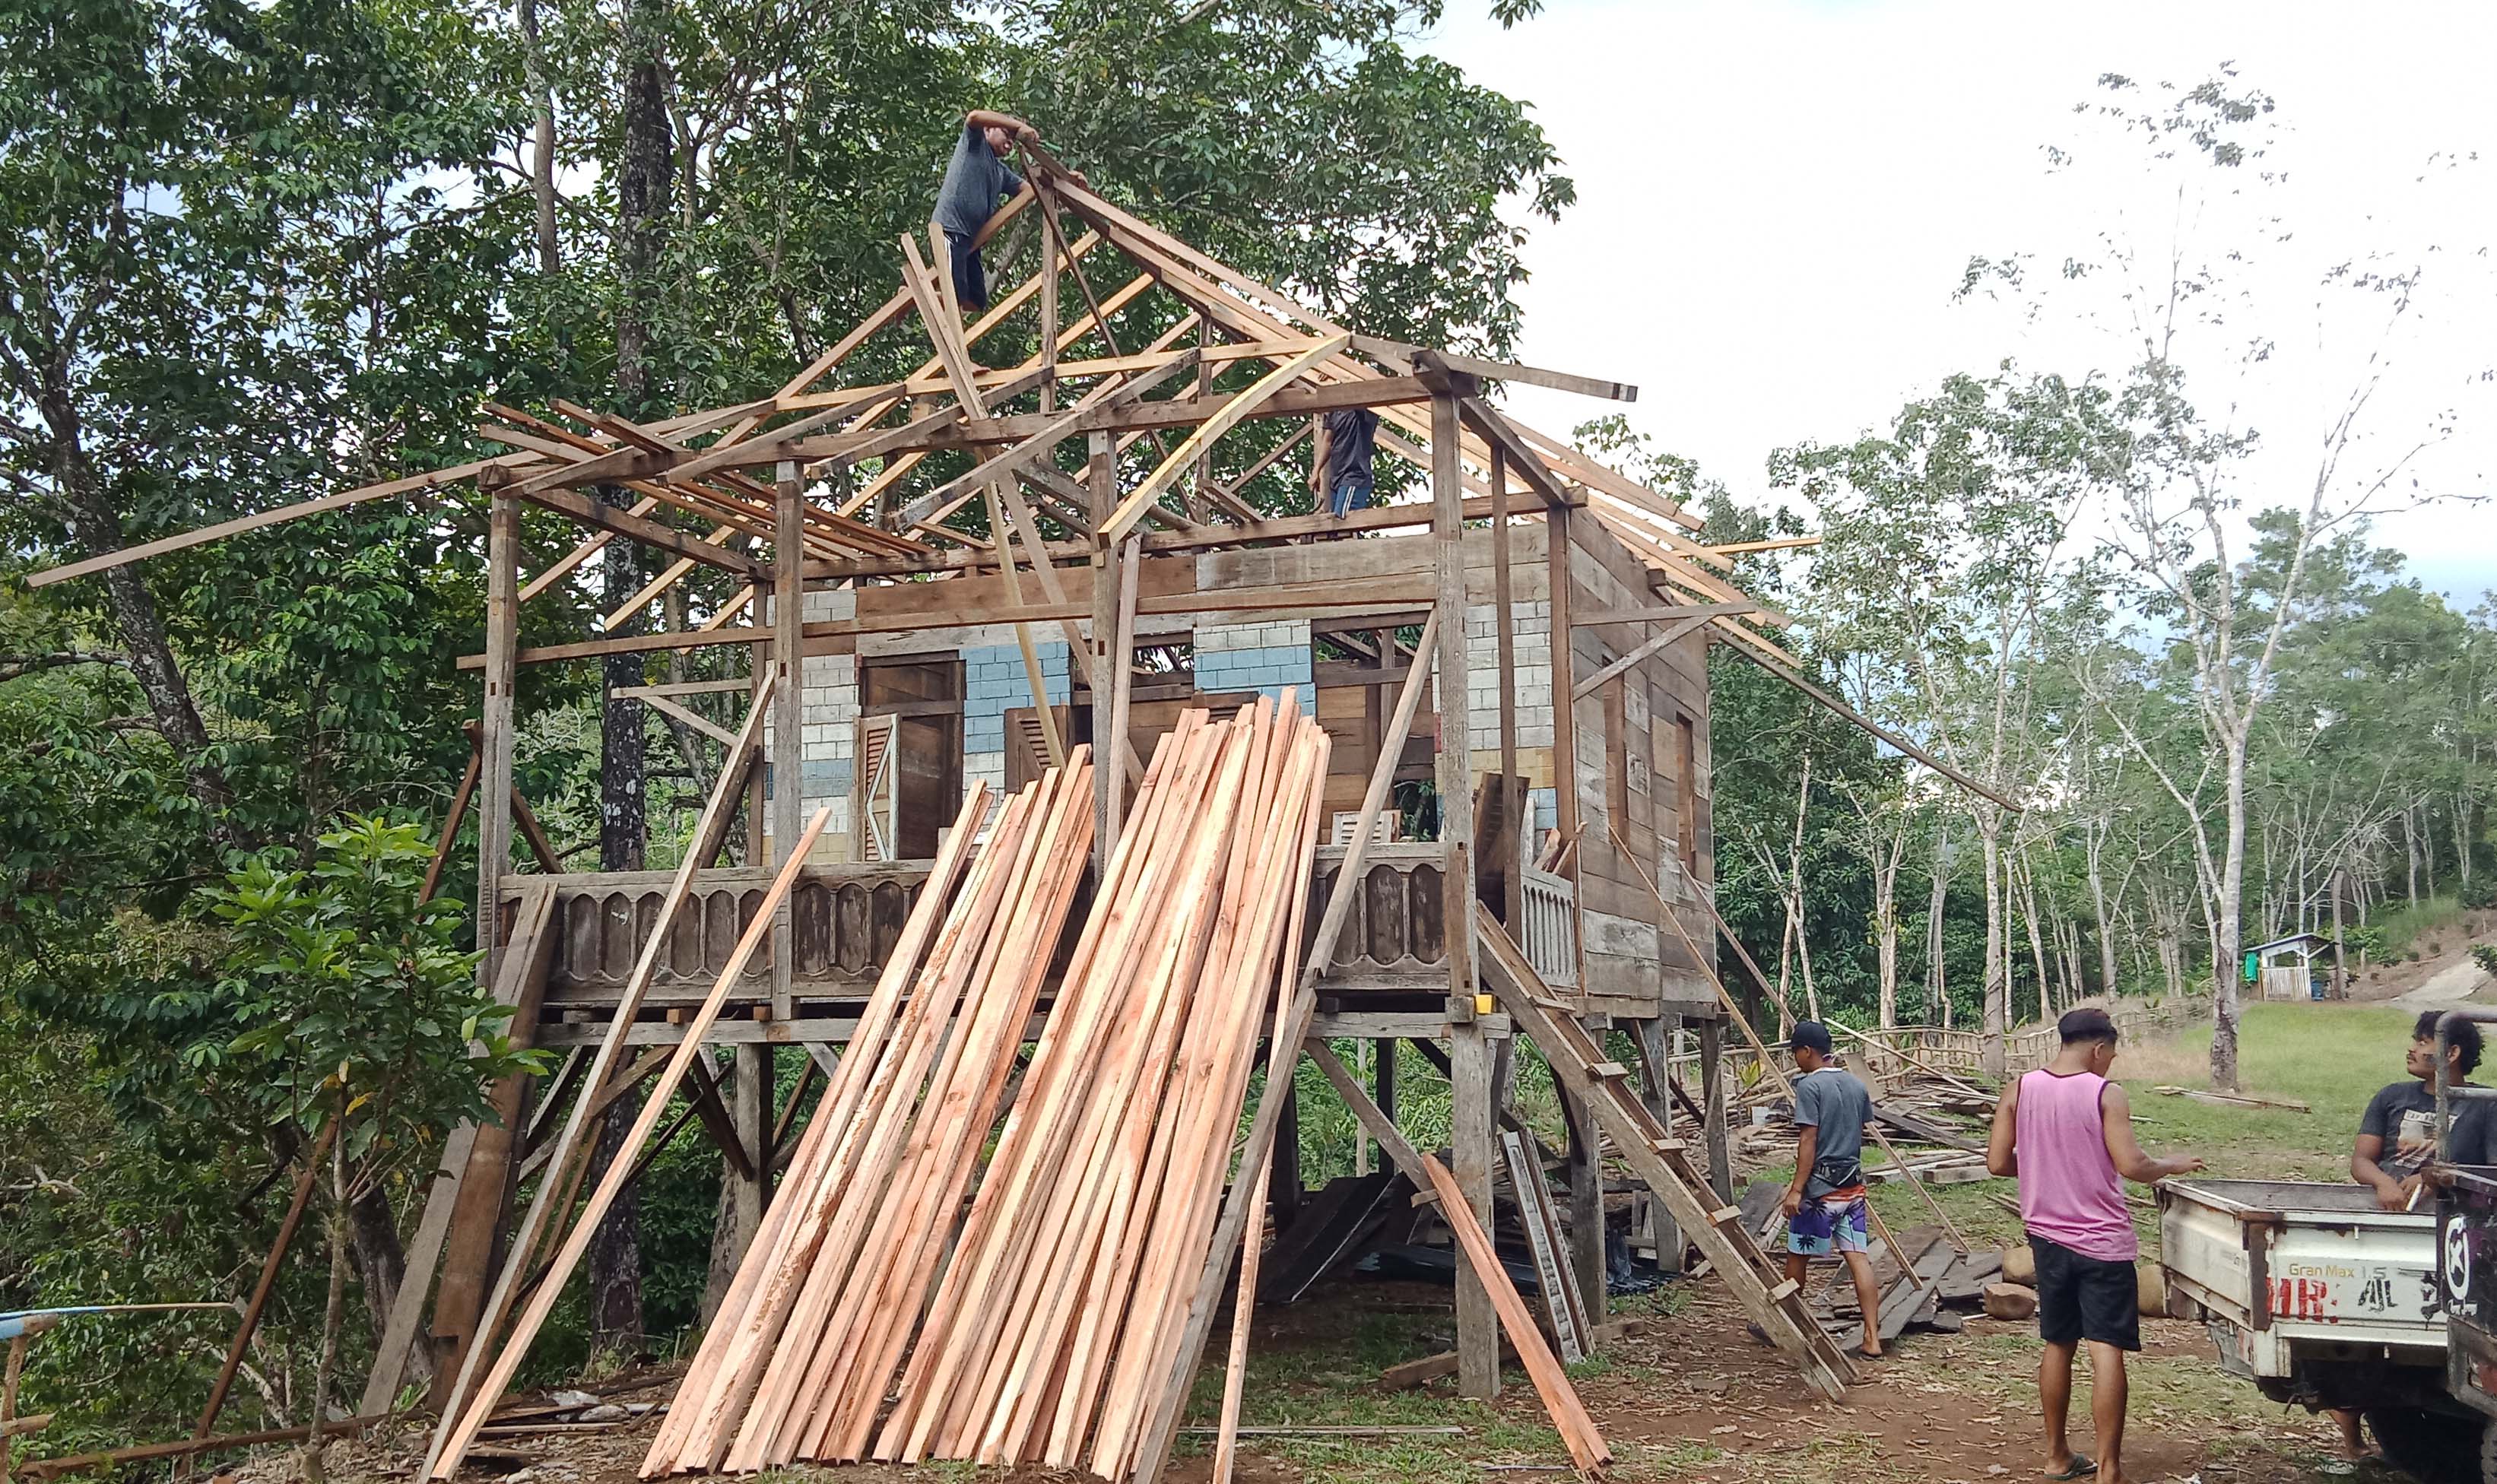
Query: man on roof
[[977, 181]]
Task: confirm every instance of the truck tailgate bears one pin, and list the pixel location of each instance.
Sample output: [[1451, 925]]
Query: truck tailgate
[[2302, 1258]]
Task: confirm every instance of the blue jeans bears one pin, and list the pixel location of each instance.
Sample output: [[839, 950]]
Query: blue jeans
[[1350, 494]]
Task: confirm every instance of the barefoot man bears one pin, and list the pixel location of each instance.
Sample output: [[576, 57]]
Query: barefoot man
[[2067, 1132], [1825, 1207]]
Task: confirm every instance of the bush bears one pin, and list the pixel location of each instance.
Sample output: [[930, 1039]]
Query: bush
[[2485, 955]]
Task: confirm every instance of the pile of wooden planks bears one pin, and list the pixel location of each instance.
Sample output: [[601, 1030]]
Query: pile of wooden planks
[[1053, 1329]]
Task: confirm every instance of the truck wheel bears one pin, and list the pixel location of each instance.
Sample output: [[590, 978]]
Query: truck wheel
[[2432, 1447]]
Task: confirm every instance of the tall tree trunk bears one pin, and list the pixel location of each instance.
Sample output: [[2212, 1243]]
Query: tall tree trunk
[[381, 1266], [2097, 863], [1998, 959], [541, 137], [2227, 929], [1937, 984], [94, 523], [1885, 926], [641, 190], [332, 1314], [2036, 943]]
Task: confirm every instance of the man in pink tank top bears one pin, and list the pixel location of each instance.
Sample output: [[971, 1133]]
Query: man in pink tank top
[[2067, 1132]]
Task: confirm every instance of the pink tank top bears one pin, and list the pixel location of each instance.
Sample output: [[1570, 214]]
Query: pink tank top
[[2069, 1192]]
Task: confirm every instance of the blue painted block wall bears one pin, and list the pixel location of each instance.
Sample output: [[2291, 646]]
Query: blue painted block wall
[[994, 682]]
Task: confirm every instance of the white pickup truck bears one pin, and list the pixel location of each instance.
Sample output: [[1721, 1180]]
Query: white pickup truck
[[2322, 1298]]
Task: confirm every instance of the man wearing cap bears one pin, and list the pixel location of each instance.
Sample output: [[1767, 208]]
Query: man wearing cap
[[1826, 1206]]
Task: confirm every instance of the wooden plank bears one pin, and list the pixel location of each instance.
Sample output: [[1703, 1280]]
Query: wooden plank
[[1560, 1399], [563, 566], [1654, 646], [723, 1373], [185, 540], [1544, 1242], [1153, 1450], [1218, 422], [484, 1179], [1658, 613], [1635, 1135], [1838, 708], [453, 1444], [1499, 371], [708, 833]]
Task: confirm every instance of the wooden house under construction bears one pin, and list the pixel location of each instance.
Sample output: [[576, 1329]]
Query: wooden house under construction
[[950, 582]]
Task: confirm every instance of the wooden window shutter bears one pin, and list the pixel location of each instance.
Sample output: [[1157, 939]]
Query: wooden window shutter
[[875, 791], [1026, 748]]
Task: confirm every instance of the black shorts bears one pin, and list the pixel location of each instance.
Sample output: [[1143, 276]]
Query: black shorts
[[971, 276], [2081, 1297]]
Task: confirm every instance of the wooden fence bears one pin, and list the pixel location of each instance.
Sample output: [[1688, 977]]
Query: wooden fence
[[1910, 1051]]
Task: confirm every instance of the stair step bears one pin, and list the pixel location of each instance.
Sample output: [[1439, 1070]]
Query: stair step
[[1610, 1071], [1784, 1291]]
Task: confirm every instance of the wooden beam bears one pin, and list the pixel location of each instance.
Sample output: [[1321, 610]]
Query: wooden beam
[[450, 1444], [1594, 682], [1841, 708], [1217, 422], [1661, 614], [1384, 597], [1497, 370], [708, 833], [1139, 417], [183, 541]]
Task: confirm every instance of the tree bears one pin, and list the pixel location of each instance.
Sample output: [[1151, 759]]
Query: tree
[[2192, 294], [356, 1014], [1943, 542]]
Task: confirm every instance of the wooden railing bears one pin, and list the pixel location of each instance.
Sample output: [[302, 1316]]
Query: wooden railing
[[845, 918], [1396, 938], [1952, 1050], [1548, 930]]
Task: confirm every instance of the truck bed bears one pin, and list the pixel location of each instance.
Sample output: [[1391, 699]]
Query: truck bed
[[2289, 1265]]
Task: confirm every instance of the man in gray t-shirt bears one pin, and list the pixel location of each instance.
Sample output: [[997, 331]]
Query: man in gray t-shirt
[[1826, 1207], [976, 179]]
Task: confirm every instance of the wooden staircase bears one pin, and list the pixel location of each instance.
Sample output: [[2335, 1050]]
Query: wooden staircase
[[1662, 1163]]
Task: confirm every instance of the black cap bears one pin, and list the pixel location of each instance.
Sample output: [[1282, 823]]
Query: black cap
[[1812, 1033]]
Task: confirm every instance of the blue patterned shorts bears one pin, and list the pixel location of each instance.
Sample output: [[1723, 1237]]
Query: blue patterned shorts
[[1836, 1222]]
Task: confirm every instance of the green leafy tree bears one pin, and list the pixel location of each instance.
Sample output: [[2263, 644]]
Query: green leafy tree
[[357, 1014]]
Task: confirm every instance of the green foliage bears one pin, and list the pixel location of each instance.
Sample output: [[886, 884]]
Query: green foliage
[[2485, 955], [344, 995]]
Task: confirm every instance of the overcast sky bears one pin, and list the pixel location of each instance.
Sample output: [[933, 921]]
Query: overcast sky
[[1776, 200]]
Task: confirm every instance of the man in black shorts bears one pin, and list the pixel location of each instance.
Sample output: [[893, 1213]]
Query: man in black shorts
[[2067, 1132]]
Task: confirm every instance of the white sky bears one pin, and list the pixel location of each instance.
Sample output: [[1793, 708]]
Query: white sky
[[1776, 200]]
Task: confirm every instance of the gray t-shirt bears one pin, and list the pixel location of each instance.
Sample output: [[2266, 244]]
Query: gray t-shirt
[[1834, 1101], [974, 179]]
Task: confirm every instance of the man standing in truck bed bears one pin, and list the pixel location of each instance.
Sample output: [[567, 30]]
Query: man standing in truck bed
[[2067, 1132]]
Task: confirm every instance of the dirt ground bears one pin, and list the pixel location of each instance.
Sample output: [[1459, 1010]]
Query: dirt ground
[[1692, 1399]]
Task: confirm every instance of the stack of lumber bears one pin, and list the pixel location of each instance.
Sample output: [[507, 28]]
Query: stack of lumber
[[1053, 1333], [1936, 1292]]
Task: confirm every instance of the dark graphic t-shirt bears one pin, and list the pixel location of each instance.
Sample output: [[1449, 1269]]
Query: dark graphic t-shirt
[[2404, 1116]]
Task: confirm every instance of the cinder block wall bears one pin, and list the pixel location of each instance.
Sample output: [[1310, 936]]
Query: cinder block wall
[[1262, 658], [827, 730]]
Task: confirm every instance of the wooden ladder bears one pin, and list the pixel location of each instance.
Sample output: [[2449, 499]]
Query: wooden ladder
[[1662, 1163]]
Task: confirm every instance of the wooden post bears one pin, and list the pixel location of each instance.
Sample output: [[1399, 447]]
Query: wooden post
[[788, 714], [1565, 680], [1470, 1051], [1050, 246], [1656, 1089], [1711, 1103], [1109, 659], [1505, 635], [1586, 1202], [502, 669], [750, 1107]]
